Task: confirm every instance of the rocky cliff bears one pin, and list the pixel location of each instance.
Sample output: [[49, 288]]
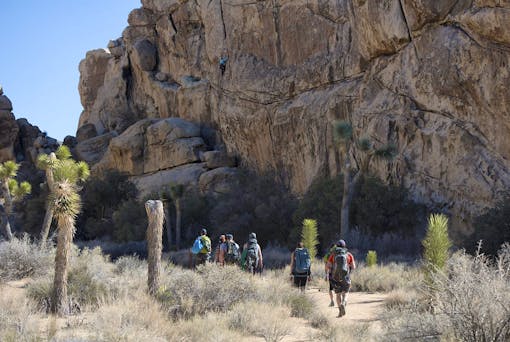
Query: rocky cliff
[[430, 76]]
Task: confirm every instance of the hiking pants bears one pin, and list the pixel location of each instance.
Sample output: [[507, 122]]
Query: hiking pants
[[300, 279]]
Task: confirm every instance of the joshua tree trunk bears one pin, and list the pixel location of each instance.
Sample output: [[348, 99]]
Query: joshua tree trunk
[[59, 303], [348, 193], [4, 223], [48, 217], [178, 223], [168, 226], [154, 243]]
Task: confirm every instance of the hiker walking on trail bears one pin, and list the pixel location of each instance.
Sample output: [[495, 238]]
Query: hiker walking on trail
[[300, 265], [217, 250], [252, 255], [340, 264], [231, 253], [202, 248], [328, 273]]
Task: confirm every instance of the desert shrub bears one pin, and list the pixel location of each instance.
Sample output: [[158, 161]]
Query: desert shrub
[[401, 297], [211, 327], [492, 228], [436, 244], [371, 258], [309, 236], [301, 306], [20, 258], [346, 332], [210, 288], [129, 265], [266, 320], [90, 281], [377, 209], [385, 278], [129, 221], [18, 320]]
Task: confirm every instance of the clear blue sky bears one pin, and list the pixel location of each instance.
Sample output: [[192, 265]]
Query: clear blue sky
[[41, 45]]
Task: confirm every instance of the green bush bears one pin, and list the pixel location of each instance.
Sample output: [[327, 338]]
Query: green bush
[[309, 236], [436, 244], [301, 306], [371, 258]]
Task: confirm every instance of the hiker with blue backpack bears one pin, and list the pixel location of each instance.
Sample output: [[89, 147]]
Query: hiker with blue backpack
[[340, 264], [300, 266], [201, 248]]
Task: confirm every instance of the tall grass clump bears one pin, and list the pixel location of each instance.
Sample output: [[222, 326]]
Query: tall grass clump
[[371, 258], [20, 258], [436, 244], [310, 237], [385, 278]]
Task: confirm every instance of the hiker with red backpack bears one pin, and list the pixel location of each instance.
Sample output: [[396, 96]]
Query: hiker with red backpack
[[340, 264], [300, 266]]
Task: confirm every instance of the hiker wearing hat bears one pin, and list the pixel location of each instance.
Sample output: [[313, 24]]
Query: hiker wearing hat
[[340, 264], [202, 248], [252, 255]]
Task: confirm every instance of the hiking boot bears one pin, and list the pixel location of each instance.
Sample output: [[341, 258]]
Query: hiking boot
[[341, 310], [332, 303]]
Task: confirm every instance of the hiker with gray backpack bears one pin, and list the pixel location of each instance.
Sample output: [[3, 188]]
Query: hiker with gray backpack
[[230, 253], [251, 259], [340, 264], [300, 266]]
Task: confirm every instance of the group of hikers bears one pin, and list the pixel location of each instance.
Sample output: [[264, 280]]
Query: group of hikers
[[228, 252], [338, 262]]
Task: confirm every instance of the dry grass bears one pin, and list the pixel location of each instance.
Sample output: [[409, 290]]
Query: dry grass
[[385, 278]]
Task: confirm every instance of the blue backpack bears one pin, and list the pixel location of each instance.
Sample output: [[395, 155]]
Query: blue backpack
[[302, 260], [197, 245]]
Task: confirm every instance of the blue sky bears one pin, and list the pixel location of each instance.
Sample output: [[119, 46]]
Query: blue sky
[[42, 43]]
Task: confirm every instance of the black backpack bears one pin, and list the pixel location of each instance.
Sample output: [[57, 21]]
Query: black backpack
[[340, 266], [232, 255]]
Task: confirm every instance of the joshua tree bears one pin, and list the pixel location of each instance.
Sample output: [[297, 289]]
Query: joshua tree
[[176, 192], [65, 203], [344, 137], [59, 166], [11, 191], [154, 243]]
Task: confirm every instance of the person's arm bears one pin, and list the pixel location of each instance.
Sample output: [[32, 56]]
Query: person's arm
[[353, 263]]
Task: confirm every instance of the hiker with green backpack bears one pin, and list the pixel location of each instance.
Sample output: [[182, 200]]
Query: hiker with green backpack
[[230, 253], [340, 264], [300, 266], [201, 248]]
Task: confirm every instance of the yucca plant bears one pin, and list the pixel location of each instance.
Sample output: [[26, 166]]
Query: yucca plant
[[65, 204], [59, 166], [436, 244], [12, 191], [371, 258], [344, 137], [309, 236]]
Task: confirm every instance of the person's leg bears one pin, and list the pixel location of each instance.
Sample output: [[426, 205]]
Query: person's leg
[[303, 282], [331, 303]]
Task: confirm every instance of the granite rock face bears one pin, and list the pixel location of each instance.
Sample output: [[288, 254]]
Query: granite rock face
[[430, 76]]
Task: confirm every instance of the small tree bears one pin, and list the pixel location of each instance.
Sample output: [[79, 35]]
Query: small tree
[[59, 166], [309, 236], [371, 258], [345, 139], [11, 191], [436, 244], [154, 243]]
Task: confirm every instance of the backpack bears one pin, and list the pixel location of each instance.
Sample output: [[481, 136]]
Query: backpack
[[340, 266], [206, 244], [252, 255], [197, 245], [302, 261], [232, 255]]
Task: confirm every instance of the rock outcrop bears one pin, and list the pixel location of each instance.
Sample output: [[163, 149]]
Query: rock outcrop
[[430, 76]]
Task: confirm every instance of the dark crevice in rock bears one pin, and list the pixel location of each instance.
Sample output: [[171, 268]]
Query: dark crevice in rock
[[276, 17], [172, 22], [409, 30], [223, 21]]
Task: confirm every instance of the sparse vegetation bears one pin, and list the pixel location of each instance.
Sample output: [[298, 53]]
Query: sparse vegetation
[[371, 258]]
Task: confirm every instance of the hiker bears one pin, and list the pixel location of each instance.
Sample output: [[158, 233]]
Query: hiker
[[252, 255], [217, 251], [202, 248], [300, 265], [231, 254], [223, 64], [340, 264], [328, 273]]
